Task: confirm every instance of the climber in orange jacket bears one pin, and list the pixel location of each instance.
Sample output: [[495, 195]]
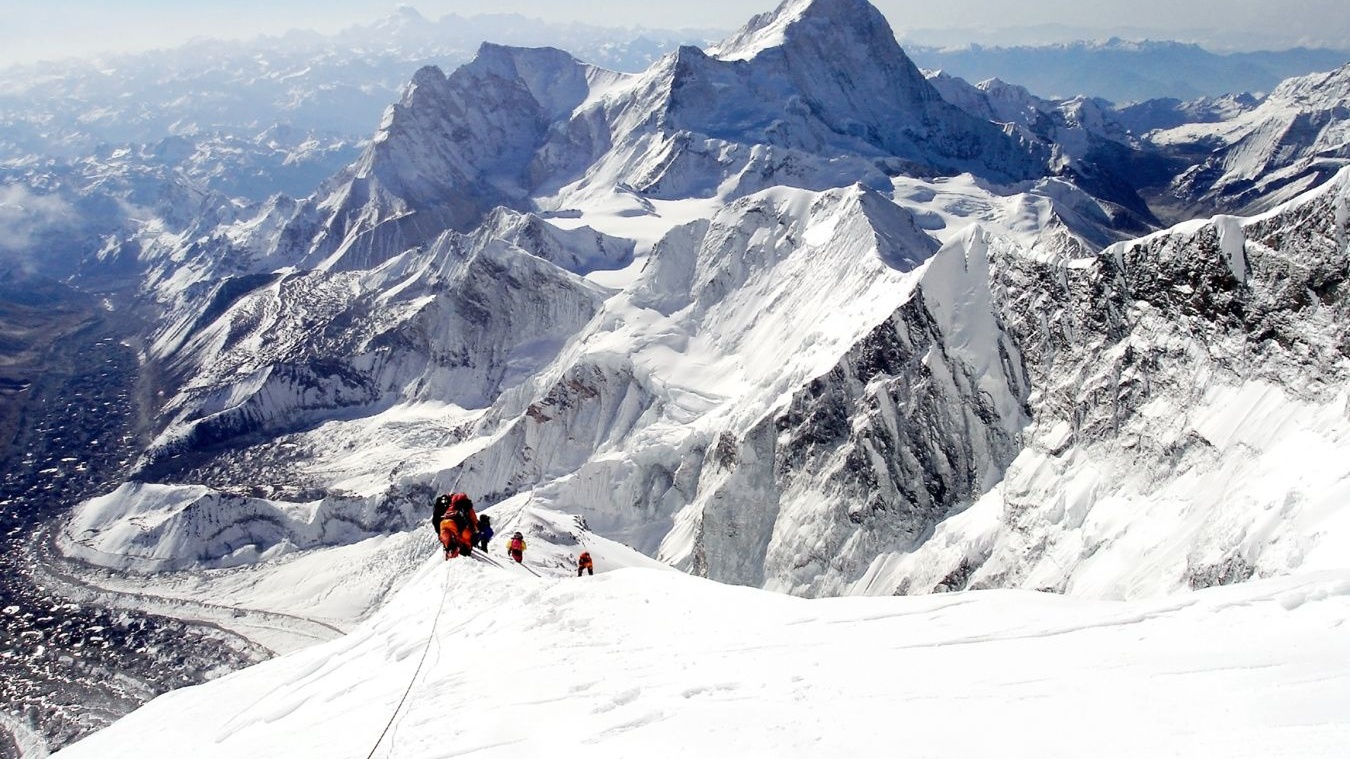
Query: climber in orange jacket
[[458, 525], [584, 563]]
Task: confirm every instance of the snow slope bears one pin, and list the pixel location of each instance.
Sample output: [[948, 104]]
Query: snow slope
[[493, 660], [1188, 422]]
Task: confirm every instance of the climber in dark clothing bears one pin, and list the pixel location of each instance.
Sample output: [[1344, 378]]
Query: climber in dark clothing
[[484, 532], [438, 509]]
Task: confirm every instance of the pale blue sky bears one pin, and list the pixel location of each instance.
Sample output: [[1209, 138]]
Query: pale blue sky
[[32, 29]]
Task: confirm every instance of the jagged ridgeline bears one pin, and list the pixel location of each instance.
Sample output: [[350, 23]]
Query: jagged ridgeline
[[775, 312]]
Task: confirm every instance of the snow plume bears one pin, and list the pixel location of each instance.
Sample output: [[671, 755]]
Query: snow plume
[[25, 217]]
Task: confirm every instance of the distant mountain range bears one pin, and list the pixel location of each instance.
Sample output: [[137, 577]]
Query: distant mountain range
[[1125, 71], [328, 84]]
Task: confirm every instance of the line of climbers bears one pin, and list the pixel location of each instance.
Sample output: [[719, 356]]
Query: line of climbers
[[462, 529], [459, 526]]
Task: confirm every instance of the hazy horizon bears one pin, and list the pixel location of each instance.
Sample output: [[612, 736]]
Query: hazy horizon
[[79, 28]]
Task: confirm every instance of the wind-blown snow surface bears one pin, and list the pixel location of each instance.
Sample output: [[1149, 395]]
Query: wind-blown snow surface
[[504, 661]]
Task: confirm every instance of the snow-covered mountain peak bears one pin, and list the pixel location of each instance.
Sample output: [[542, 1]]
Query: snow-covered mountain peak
[[997, 89], [827, 78], [556, 80], [406, 12], [853, 21], [453, 148], [835, 102], [404, 21], [901, 244], [424, 77], [1322, 90], [846, 43]]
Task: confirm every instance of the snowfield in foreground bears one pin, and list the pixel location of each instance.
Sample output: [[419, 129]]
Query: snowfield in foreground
[[497, 661]]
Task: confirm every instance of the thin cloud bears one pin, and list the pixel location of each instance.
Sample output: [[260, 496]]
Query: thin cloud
[[26, 216]]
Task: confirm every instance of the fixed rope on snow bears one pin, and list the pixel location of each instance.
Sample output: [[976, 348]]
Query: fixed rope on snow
[[445, 592]]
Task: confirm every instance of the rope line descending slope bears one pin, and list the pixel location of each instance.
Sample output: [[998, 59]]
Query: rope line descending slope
[[445, 593], [484, 557]]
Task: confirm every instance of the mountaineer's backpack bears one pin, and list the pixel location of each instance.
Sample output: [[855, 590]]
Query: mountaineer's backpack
[[461, 510]]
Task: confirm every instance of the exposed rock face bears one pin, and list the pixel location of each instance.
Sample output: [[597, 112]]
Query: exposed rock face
[[915, 418], [1171, 376], [1079, 358]]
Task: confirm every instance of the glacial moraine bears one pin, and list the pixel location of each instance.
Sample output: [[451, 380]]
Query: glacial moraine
[[68, 421]]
